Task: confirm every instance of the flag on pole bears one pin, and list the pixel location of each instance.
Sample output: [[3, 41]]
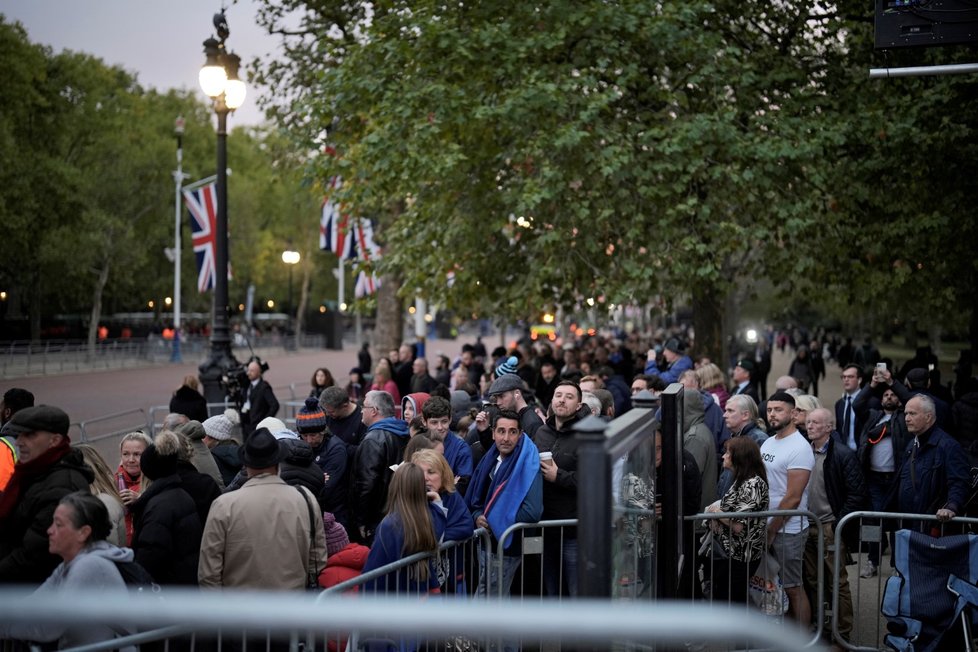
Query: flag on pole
[[334, 226], [363, 235], [201, 200]]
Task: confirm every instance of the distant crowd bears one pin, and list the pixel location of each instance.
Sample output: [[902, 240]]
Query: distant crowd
[[406, 454]]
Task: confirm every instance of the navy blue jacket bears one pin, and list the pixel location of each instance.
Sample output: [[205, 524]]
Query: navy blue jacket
[[942, 473]]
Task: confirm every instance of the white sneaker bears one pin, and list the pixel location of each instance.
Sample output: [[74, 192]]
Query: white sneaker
[[868, 569]]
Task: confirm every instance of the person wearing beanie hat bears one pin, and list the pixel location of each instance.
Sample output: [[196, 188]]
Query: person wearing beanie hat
[[507, 367], [241, 522], [47, 470], [219, 438], [330, 455], [166, 523], [675, 361]]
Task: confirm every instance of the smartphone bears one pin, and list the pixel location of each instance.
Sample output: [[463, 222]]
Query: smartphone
[[930, 367], [881, 366]]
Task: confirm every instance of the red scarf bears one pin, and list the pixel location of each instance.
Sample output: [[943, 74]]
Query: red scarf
[[24, 471], [134, 484]]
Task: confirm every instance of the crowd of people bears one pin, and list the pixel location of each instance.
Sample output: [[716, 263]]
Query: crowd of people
[[408, 456]]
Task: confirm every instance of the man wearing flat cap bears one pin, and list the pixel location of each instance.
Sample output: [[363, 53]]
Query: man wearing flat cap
[[265, 535], [47, 470], [506, 393], [742, 375]]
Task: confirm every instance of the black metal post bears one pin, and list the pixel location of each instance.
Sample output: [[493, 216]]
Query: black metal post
[[593, 508], [669, 485], [291, 318], [221, 359]]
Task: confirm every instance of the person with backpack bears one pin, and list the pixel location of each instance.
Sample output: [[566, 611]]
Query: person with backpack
[[77, 534]]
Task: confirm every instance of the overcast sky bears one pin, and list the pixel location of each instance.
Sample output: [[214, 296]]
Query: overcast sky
[[158, 40]]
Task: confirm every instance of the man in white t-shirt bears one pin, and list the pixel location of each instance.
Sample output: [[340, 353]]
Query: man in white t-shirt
[[788, 460]]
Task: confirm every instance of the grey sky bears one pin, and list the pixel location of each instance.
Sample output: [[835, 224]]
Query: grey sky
[[158, 40]]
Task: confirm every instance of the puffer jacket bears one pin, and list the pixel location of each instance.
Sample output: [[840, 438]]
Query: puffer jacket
[[168, 532], [24, 556], [299, 469]]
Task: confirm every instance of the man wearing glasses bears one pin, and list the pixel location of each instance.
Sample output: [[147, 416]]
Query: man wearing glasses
[[382, 447]]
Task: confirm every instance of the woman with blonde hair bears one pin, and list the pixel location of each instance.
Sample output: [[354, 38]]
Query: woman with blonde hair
[[713, 381], [440, 484], [803, 405], [129, 477], [188, 401], [104, 487], [411, 526]]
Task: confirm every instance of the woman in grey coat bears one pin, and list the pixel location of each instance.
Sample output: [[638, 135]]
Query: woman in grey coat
[[77, 535]]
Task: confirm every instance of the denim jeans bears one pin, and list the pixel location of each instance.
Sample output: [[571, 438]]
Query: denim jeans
[[560, 566], [510, 566]]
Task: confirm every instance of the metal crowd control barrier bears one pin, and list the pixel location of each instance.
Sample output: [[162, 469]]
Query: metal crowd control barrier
[[772, 609], [295, 618], [531, 545], [874, 533], [105, 432]]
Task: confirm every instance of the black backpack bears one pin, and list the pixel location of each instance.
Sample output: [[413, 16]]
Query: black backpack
[[136, 577]]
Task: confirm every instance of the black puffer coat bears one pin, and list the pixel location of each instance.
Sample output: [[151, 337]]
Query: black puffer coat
[[201, 487], [24, 556], [167, 532], [190, 403], [299, 469]]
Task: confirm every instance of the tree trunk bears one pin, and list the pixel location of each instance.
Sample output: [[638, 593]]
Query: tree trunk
[[708, 310], [96, 315], [910, 336], [390, 315], [34, 305]]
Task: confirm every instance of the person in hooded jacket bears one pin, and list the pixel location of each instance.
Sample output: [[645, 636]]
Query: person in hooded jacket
[[345, 560], [77, 535], [412, 404], [699, 441], [298, 467], [330, 454], [47, 470], [188, 401], [167, 528], [556, 436], [382, 446]]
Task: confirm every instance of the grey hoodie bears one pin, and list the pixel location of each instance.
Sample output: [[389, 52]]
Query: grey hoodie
[[92, 570], [699, 441]]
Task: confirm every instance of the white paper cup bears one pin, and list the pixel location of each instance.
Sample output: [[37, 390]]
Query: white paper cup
[[546, 456]]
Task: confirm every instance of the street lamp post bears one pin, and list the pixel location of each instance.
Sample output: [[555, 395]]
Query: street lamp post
[[219, 80], [290, 258], [178, 177]]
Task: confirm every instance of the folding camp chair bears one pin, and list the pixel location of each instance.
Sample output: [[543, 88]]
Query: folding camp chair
[[918, 602]]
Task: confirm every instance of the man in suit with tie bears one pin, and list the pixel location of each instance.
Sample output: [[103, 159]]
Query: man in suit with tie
[[742, 376], [848, 416], [259, 400]]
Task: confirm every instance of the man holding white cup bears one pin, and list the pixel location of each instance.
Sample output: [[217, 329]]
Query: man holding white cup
[[556, 437]]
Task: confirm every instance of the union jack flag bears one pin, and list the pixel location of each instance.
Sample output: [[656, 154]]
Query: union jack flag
[[334, 226], [201, 200], [366, 284]]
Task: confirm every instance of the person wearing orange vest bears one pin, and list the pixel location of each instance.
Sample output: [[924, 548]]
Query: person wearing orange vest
[[14, 399]]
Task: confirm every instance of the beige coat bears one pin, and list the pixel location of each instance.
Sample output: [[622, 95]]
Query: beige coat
[[258, 537]]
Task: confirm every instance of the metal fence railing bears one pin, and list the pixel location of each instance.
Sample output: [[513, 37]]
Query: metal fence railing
[[294, 621], [875, 529]]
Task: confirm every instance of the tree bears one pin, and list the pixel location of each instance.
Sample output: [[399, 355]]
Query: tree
[[548, 152]]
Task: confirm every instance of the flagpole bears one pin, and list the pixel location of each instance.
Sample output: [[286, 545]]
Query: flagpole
[[178, 179], [340, 284]]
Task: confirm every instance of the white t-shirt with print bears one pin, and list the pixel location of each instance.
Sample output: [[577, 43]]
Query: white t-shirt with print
[[783, 455]]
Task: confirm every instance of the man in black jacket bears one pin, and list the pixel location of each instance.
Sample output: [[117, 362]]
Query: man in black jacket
[[556, 436], [47, 470], [835, 489], [259, 400]]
